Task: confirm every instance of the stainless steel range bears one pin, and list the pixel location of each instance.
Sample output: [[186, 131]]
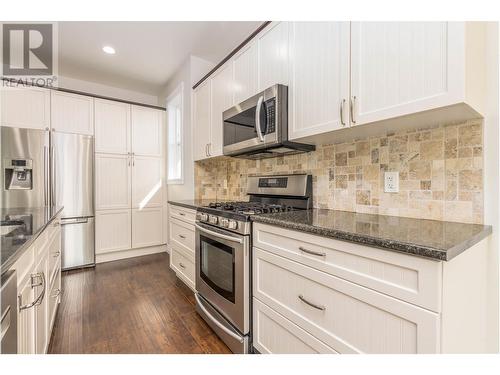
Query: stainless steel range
[[223, 253]]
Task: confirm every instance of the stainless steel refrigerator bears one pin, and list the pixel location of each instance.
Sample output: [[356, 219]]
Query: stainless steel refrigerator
[[41, 168]]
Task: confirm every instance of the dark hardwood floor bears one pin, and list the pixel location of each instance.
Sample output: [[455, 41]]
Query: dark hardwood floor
[[135, 305]]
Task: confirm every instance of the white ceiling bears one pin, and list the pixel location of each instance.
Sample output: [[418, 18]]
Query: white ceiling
[[147, 53]]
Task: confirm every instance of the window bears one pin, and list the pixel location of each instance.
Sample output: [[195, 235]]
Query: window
[[174, 136]]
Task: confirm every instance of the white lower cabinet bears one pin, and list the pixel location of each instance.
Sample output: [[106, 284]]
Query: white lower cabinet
[[147, 227], [33, 268], [112, 230], [184, 267], [345, 316], [182, 243], [275, 334]]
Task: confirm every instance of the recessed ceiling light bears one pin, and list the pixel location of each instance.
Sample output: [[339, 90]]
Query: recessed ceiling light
[[109, 50]]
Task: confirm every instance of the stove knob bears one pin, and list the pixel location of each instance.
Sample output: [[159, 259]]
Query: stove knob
[[224, 222], [202, 216], [232, 224], [212, 219]]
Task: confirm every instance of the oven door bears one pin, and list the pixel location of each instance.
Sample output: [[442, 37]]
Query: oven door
[[223, 273], [255, 123]]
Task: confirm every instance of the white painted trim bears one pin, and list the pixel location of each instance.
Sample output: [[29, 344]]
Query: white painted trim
[[131, 253], [179, 90]]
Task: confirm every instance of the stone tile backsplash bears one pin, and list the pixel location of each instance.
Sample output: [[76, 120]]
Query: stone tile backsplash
[[440, 174]]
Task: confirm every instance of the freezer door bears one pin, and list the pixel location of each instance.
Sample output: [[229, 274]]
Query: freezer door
[[72, 158], [77, 242], [24, 174]]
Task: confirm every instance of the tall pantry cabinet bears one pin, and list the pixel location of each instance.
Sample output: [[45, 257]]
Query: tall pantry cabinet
[[128, 178]]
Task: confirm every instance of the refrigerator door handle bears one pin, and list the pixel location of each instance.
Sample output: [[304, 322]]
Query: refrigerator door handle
[[74, 221], [45, 176], [53, 175]]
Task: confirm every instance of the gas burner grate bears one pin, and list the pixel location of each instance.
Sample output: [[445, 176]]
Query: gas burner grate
[[250, 208]]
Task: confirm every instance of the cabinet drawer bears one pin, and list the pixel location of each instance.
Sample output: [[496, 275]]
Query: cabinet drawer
[[348, 317], [183, 267], [54, 299], [273, 334], [181, 213], [409, 278], [182, 235], [54, 254]]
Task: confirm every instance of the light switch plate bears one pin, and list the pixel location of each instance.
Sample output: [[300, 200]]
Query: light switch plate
[[391, 182]]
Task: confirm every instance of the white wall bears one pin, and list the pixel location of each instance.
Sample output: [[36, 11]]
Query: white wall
[[491, 178], [189, 73], [104, 90]]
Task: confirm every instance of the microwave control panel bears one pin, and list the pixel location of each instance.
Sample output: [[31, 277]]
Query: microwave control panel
[[271, 115]]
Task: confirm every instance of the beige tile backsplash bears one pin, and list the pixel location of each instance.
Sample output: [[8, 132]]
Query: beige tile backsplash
[[440, 172]]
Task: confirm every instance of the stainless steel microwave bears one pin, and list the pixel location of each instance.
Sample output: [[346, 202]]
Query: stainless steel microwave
[[258, 127]]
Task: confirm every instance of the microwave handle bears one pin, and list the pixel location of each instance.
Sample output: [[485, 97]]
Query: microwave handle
[[257, 119]]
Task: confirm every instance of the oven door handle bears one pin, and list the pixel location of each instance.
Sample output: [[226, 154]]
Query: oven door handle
[[215, 321], [219, 235]]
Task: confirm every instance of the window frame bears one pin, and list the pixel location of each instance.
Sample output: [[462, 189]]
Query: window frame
[[178, 91]]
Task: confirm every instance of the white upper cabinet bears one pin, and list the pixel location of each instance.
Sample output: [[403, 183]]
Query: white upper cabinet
[[112, 127], [319, 77], [146, 128], [201, 119], [273, 56], [72, 113], [221, 99], [146, 182], [25, 107], [245, 73], [112, 181], [399, 68]]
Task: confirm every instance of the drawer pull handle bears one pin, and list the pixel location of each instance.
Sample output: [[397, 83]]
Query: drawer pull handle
[[319, 307], [182, 214], [181, 236], [182, 265], [57, 293], [312, 252], [56, 254]]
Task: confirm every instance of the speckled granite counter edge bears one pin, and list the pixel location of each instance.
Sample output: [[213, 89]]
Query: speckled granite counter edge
[[183, 204], [382, 243], [20, 251]]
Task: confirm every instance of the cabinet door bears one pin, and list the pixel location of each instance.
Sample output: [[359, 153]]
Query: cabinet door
[[41, 316], [273, 56], [146, 182], [146, 130], [319, 79], [26, 327], [222, 99], [71, 113], [245, 73], [112, 181], [112, 231], [147, 227], [201, 118], [398, 68], [25, 107], [112, 127]]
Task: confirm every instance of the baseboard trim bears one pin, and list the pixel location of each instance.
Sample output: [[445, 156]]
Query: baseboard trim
[[130, 253]]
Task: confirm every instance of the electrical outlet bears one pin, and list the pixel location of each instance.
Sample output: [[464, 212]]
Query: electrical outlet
[[391, 180]]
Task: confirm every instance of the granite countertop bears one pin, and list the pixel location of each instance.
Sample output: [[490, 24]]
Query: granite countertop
[[31, 223], [194, 203], [438, 240]]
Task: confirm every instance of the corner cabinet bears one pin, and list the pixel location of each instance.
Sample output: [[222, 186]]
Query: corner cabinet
[[201, 120]]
